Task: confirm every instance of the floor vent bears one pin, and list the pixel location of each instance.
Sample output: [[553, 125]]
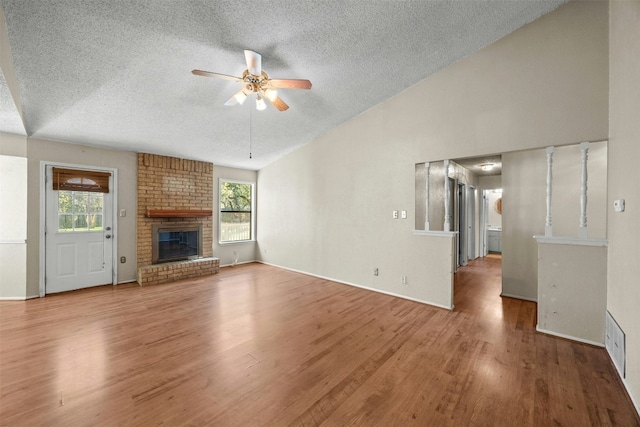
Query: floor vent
[[614, 342]]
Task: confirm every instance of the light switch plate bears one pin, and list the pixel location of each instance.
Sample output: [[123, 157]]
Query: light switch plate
[[618, 205], [403, 214]]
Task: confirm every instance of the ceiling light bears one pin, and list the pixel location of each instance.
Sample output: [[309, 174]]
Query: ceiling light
[[486, 166], [260, 104], [240, 97], [271, 94]]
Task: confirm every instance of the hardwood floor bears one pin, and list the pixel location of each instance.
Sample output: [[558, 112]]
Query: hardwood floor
[[257, 345]]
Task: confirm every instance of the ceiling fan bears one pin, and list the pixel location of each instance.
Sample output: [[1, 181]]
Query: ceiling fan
[[254, 80]]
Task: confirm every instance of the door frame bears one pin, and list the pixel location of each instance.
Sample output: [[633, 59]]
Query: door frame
[[471, 223], [43, 217], [461, 224], [484, 215]]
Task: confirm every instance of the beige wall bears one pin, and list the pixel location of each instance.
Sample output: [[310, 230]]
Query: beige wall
[[523, 215], [623, 228], [524, 177], [572, 291], [329, 204], [245, 251], [39, 150]]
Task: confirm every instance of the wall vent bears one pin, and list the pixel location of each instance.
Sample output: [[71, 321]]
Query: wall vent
[[615, 343]]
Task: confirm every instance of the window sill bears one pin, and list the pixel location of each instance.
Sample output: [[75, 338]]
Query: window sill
[[236, 242]]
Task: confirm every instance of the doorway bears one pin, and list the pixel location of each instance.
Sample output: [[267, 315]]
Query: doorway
[[78, 228]]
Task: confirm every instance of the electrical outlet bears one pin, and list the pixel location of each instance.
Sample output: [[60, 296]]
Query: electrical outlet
[[123, 259], [395, 214]]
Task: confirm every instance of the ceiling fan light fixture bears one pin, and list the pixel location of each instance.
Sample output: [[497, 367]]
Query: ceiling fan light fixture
[[240, 97], [260, 104], [486, 167], [271, 94]]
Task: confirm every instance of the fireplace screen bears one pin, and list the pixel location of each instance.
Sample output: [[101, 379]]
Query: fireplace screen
[[176, 242]]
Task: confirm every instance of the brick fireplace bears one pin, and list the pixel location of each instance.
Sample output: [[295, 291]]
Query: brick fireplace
[[174, 193]]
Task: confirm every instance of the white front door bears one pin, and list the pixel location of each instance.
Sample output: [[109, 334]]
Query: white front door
[[78, 238]]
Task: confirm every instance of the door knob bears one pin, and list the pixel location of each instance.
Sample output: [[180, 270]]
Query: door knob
[[108, 236]]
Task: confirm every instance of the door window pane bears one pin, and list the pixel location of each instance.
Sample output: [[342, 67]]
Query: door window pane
[[80, 211]]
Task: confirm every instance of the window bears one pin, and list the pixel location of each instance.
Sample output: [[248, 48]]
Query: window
[[236, 211], [80, 210]]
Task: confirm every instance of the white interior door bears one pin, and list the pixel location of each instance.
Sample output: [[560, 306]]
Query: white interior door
[[78, 238]]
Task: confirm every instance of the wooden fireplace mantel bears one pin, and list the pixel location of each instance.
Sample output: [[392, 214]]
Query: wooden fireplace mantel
[[178, 213]]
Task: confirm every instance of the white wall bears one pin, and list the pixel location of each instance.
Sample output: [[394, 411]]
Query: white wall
[[13, 226], [623, 228], [329, 204], [13, 249], [245, 251]]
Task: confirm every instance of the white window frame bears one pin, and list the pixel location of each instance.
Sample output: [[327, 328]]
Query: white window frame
[[253, 211]]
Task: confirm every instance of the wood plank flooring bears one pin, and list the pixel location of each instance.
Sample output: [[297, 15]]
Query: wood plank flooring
[[257, 345]]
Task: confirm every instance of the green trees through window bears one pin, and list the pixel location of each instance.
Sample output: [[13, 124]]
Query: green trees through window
[[236, 205], [80, 211]]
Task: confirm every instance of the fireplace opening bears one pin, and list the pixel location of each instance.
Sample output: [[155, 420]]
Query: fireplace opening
[[176, 242]]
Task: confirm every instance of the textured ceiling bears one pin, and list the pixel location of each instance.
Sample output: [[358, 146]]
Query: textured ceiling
[[116, 73]]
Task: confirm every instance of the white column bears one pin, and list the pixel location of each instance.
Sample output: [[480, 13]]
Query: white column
[[548, 228], [584, 151], [427, 166], [447, 197]]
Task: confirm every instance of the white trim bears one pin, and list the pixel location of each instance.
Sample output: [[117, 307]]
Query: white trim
[[569, 337], [519, 297], [43, 195], [577, 241], [19, 298], [361, 286], [548, 227], [240, 263], [625, 383], [434, 233]]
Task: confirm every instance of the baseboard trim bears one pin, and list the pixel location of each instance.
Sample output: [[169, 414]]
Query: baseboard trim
[[518, 297], [361, 286], [569, 337], [624, 383], [19, 298], [239, 263]]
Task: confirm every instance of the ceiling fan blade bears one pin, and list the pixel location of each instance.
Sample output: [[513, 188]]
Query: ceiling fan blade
[[279, 104], [288, 84], [217, 75], [254, 62]]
